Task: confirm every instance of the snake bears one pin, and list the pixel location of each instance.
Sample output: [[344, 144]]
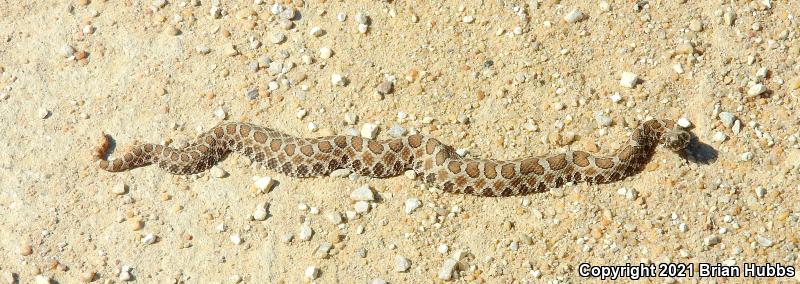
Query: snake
[[433, 162]]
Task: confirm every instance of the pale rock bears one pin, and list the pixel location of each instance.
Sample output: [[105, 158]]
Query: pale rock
[[363, 193]]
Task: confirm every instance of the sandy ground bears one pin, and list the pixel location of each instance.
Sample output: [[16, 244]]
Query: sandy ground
[[501, 79]]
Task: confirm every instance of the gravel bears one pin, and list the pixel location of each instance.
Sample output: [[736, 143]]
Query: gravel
[[411, 204], [448, 268], [363, 193], [401, 264], [305, 232]]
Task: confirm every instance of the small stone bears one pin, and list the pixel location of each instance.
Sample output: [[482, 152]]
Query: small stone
[[229, 50], [41, 279], [260, 213], [443, 248], [67, 51], [337, 80], [251, 94], [325, 52], [43, 113], [287, 238], [711, 240], [362, 18], [410, 174], [605, 6], [684, 122], [125, 276], [385, 87], [361, 207], [756, 90], [615, 98], [396, 131], [628, 80], [746, 156], [678, 68], [171, 30], [369, 130], [401, 264], [334, 217], [720, 137], [149, 239], [341, 17], [218, 172], [80, 55], [312, 272], [573, 16], [120, 188], [763, 242], [25, 249], [448, 267], [411, 204], [305, 232], [315, 31], [202, 49], [696, 26], [288, 13], [236, 239], [727, 118], [220, 113], [378, 281], [761, 192], [263, 184], [468, 19], [88, 276], [363, 193], [602, 120], [277, 38]]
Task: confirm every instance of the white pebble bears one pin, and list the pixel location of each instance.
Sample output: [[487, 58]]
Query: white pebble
[[43, 113], [628, 79], [763, 242], [711, 240], [202, 49], [684, 122], [361, 207], [443, 248], [615, 98], [678, 68], [448, 267], [369, 130], [125, 276], [746, 156], [761, 192], [401, 264], [720, 137], [312, 127], [305, 232], [337, 79], [149, 239], [727, 118], [312, 272], [325, 52], [341, 17], [236, 239], [410, 174], [67, 51], [756, 90], [218, 172], [602, 120], [220, 113], [334, 217], [39, 279], [361, 18], [302, 206], [260, 213], [363, 193], [468, 19], [378, 281], [362, 28], [411, 204], [120, 188], [315, 31], [573, 16], [263, 184]]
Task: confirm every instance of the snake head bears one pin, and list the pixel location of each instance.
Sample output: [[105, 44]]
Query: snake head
[[676, 139]]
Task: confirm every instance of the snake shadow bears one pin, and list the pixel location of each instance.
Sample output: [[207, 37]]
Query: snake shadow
[[699, 152]]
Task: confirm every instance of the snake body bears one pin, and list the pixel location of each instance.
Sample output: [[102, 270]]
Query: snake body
[[433, 162]]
